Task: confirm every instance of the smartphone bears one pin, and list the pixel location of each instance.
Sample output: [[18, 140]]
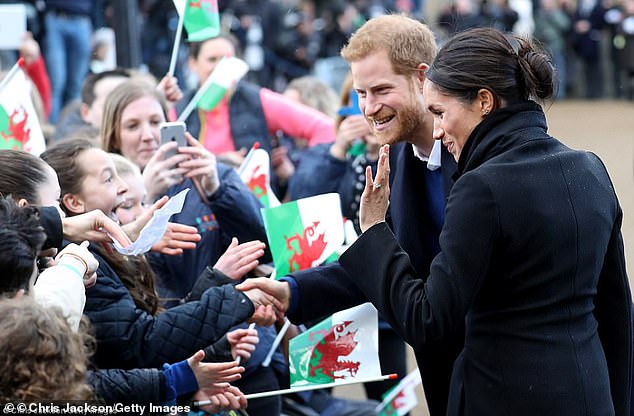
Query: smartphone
[[173, 131]]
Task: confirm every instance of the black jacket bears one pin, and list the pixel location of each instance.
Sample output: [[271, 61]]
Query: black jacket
[[128, 337], [129, 386], [532, 260]]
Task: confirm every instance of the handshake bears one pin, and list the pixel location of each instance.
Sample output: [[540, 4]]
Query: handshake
[[271, 299]]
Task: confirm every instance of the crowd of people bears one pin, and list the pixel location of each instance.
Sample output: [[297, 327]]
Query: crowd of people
[[479, 245]]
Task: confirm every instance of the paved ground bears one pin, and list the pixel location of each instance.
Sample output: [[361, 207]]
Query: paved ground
[[603, 127]]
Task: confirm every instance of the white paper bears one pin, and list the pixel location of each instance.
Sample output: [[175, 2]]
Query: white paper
[[155, 228], [12, 25]]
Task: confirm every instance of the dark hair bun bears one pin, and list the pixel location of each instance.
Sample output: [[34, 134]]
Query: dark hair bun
[[538, 70]]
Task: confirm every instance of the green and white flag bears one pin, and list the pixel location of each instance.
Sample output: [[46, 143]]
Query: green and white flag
[[304, 233], [201, 18], [401, 398], [255, 172], [226, 74], [339, 349], [19, 126]]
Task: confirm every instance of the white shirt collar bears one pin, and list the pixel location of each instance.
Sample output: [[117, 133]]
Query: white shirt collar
[[434, 158]]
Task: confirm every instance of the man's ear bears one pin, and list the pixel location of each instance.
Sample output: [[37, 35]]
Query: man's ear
[[23, 203], [73, 203], [421, 69]]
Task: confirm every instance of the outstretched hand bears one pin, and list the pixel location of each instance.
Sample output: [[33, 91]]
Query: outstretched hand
[[94, 226], [213, 378], [268, 291], [376, 195], [177, 237], [240, 259]]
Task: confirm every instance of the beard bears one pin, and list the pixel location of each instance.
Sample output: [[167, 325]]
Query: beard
[[408, 120]]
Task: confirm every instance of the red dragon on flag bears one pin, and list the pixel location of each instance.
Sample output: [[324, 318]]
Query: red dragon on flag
[[311, 246], [13, 129]]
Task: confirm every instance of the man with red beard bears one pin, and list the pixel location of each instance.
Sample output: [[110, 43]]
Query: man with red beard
[[388, 57]]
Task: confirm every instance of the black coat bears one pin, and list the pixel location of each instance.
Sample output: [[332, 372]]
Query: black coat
[[532, 259], [327, 289], [139, 386], [128, 337]]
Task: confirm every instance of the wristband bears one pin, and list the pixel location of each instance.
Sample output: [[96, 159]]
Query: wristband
[[78, 260], [72, 268]]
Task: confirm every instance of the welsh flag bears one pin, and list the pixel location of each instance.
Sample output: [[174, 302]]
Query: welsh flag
[[304, 233], [339, 349], [19, 126], [401, 398], [201, 18], [255, 172], [226, 74]]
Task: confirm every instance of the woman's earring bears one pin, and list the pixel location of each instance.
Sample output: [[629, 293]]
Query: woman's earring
[[486, 113]]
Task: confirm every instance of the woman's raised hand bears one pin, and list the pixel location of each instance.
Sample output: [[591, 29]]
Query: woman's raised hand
[[376, 195]]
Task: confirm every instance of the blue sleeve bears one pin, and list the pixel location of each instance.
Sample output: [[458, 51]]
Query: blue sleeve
[[318, 173], [179, 379], [294, 301]]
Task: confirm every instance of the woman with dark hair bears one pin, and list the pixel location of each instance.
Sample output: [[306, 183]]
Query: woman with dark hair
[[531, 249]]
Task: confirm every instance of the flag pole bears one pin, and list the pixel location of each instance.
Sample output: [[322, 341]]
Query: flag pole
[[248, 157], [276, 342], [304, 388], [11, 73], [412, 379], [239, 358], [177, 41], [201, 91]]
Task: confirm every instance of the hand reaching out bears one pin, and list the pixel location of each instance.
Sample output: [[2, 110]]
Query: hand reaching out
[[240, 259], [268, 291], [94, 226], [267, 308], [177, 237], [243, 342], [214, 378], [376, 195]]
